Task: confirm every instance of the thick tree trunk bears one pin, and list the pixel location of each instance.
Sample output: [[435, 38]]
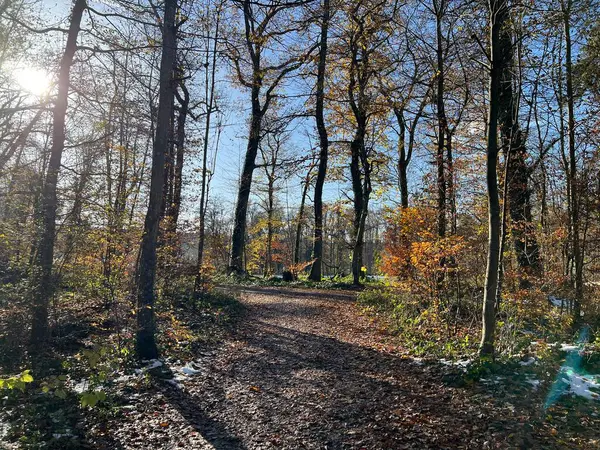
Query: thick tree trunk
[[359, 241], [359, 206], [145, 336], [498, 17], [403, 175], [517, 179], [241, 207], [43, 285], [402, 158], [316, 271], [442, 123]]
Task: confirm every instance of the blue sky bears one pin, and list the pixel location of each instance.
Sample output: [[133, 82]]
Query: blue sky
[[56, 8], [233, 142]]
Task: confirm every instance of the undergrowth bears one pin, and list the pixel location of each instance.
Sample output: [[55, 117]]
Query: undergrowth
[[450, 328], [92, 354], [327, 283]]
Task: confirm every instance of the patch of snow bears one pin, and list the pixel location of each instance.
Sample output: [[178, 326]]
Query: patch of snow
[[558, 302], [4, 429], [569, 347], [497, 379], [125, 378], [461, 363], [150, 364], [527, 362], [582, 385], [188, 370], [62, 435], [81, 387], [153, 364]]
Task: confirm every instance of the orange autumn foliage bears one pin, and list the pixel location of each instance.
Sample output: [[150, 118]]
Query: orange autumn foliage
[[413, 252]]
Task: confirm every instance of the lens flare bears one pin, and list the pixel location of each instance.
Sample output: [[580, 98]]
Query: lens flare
[[570, 368], [34, 81]]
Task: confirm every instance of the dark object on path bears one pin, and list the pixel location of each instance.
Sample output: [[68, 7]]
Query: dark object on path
[[288, 275]]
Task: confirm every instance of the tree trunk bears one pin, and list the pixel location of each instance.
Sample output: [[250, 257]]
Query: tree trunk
[[20, 140], [572, 178], [451, 191], [517, 179], [498, 17], [301, 216], [503, 231], [169, 165], [175, 206], [357, 250], [442, 124], [145, 339], [210, 93], [43, 285], [403, 174], [402, 158], [268, 269], [316, 271], [241, 207]]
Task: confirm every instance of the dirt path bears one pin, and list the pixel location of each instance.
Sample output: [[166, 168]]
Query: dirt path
[[305, 370]]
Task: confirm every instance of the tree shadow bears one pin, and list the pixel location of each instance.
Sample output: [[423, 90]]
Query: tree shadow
[[190, 407], [361, 397], [281, 384], [305, 390]]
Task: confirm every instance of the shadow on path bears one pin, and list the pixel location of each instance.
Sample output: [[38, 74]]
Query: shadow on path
[[295, 377], [213, 431]]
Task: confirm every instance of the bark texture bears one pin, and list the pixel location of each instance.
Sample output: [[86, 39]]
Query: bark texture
[[518, 171], [498, 14], [316, 271], [145, 336]]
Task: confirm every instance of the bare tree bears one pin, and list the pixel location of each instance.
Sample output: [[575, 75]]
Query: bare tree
[[145, 336], [498, 54], [316, 270], [42, 281], [260, 28], [209, 86]]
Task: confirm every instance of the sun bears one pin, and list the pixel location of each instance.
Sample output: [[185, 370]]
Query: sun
[[32, 80]]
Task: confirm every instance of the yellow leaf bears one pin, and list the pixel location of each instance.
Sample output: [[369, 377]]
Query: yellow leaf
[[26, 377]]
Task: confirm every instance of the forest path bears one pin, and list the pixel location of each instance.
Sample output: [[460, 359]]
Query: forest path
[[305, 370]]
